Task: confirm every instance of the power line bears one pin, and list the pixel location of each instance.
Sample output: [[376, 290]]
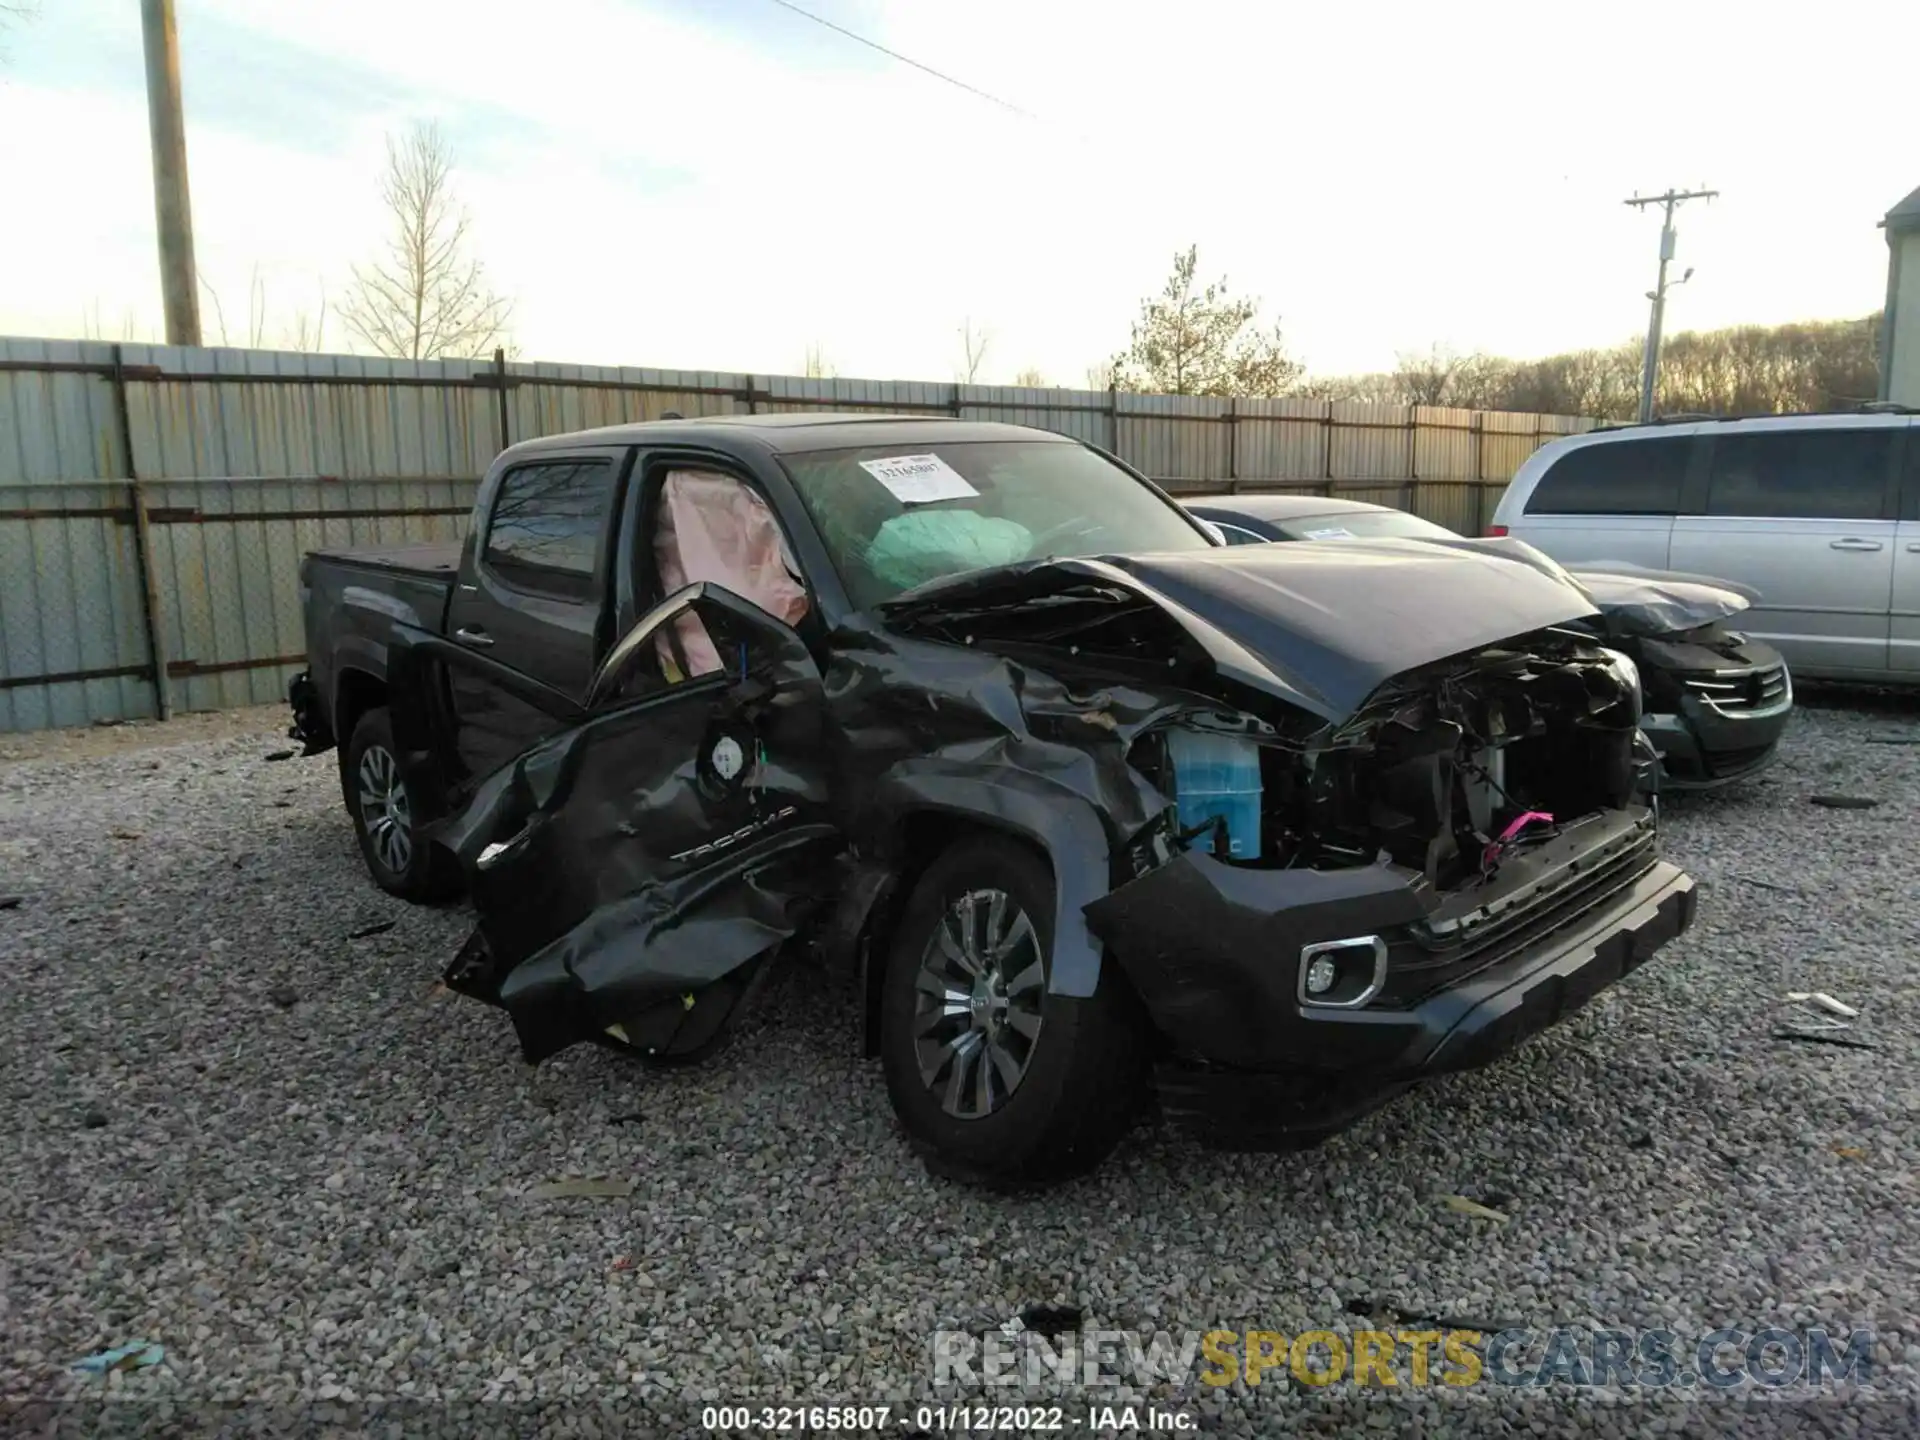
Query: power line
[[906, 59]]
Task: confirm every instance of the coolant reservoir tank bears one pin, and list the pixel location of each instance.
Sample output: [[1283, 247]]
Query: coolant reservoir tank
[[1216, 774]]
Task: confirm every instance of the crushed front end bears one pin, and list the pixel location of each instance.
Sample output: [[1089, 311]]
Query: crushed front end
[[1718, 704], [1416, 888], [1717, 701]]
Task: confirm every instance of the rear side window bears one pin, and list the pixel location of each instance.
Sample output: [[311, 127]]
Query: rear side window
[[1800, 474], [1614, 477], [545, 530]]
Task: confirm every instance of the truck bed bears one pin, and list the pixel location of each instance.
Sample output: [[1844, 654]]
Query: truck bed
[[427, 561]]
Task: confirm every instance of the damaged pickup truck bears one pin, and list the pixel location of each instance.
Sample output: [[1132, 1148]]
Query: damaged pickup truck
[[1082, 806]]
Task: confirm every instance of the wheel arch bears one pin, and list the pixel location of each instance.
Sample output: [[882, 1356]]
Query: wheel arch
[[933, 813], [356, 691]]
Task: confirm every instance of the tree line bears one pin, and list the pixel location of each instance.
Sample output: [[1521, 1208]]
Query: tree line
[[1199, 339]]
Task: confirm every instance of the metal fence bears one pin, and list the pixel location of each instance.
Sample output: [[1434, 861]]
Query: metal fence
[[155, 501]]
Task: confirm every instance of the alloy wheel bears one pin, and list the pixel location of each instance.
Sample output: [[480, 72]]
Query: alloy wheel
[[977, 1003], [385, 810]]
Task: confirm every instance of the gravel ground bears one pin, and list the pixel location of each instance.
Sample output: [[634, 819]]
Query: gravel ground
[[243, 1122]]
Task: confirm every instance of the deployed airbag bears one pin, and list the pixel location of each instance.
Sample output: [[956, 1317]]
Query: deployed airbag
[[715, 528], [924, 545]]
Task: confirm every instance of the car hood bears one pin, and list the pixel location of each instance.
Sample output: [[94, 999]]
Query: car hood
[[1641, 602], [1634, 600], [1320, 626]]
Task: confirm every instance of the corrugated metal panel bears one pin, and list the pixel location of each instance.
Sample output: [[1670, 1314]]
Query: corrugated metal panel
[[1444, 443], [1178, 436], [1281, 439], [229, 584], [250, 458], [1369, 441], [69, 605], [1452, 504], [55, 426], [1506, 439]]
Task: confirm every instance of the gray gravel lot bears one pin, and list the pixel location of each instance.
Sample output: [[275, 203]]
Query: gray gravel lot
[[278, 1150]]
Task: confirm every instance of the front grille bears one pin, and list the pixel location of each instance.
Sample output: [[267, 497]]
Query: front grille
[[1757, 692], [1416, 970]]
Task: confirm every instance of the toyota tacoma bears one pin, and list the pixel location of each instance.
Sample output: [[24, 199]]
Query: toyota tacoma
[[1082, 806]]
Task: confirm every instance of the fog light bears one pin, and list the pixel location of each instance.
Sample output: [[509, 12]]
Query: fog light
[[1342, 974]]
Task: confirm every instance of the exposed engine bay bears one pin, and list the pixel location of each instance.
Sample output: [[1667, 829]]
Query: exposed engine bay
[[1448, 769]]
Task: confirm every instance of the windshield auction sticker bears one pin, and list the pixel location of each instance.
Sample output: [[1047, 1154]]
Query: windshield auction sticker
[[919, 479]]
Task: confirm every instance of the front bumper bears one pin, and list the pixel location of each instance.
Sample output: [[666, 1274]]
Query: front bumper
[[309, 720], [1701, 750], [1252, 1068], [1713, 727]]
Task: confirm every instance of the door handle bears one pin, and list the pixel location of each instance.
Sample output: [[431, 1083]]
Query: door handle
[[479, 639], [1852, 544], [1913, 547]]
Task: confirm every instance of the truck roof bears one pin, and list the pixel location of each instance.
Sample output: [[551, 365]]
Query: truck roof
[[790, 434]]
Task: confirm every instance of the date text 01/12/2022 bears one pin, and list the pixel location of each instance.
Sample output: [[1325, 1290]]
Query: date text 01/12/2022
[[945, 1419]]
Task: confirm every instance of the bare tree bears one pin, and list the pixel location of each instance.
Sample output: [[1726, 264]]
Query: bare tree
[[1428, 379], [93, 325], [973, 351], [219, 310], [1031, 378], [256, 310], [1100, 377], [817, 366], [1192, 340], [426, 297], [1810, 365], [308, 333]]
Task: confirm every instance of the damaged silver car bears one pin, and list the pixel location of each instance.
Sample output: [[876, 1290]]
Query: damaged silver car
[[1082, 806], [1717, 700]]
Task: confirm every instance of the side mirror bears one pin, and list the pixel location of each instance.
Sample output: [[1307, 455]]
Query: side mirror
[[702, 632]]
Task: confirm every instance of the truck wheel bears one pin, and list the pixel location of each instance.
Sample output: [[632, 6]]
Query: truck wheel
[[383, 817], [995, 1078]]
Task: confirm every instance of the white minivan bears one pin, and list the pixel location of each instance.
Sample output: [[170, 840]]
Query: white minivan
[[1819, 513]]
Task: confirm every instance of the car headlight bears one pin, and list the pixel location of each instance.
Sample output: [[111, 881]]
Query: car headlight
[[1629, 673]]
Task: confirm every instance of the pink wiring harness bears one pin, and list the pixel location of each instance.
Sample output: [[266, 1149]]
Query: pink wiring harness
[[1491, 855]]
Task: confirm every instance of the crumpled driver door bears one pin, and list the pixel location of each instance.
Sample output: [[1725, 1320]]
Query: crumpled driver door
[[634, 873]]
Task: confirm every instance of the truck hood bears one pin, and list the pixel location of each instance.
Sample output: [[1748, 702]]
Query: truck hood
[[1320, 626]]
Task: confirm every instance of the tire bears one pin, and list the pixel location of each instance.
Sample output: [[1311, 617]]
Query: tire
[[1082, 1068], [383, 817]]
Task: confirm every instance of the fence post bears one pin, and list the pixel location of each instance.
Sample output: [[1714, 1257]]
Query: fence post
[[500, 387], [1410, 486], [1325, 486], [1479, 443], [152, 618], [1113, 420], [1233, 447]]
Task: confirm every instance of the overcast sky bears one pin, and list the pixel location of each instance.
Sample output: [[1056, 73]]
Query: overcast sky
[[721, 183]]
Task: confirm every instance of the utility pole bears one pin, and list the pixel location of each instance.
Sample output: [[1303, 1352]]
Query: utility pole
[[1650, 365], [172, 212]]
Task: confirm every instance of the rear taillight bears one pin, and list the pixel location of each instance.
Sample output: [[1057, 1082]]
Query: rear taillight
[[1496, 530]]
